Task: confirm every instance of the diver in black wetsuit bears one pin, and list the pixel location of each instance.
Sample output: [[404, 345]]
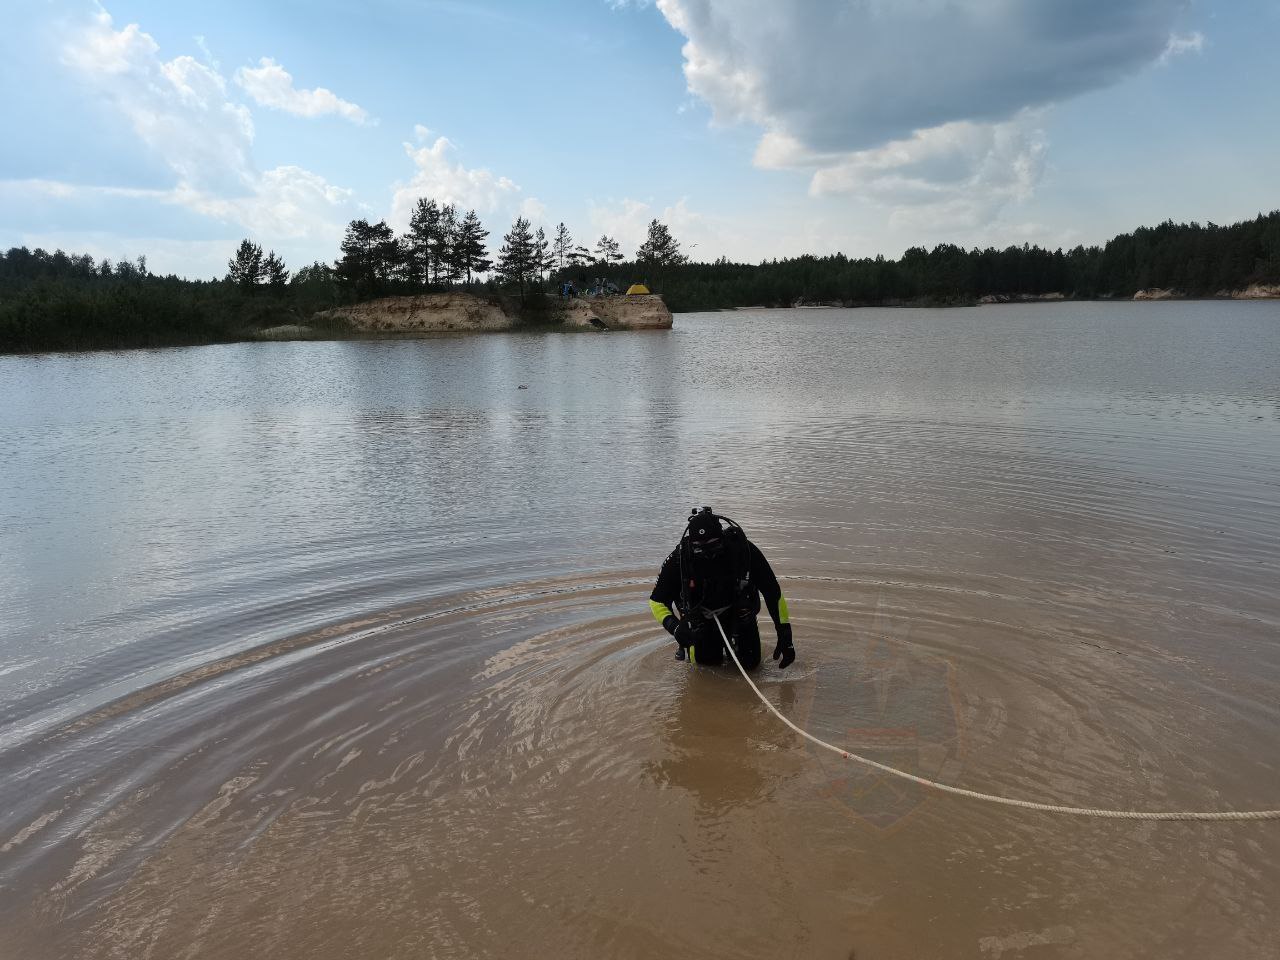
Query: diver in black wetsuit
[[715, 569]]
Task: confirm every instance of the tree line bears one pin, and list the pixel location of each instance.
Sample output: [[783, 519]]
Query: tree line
[[56, 301], [1191, 259], [442, 249]]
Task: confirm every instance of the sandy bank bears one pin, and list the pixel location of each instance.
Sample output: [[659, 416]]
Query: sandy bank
[[1258, 291], [1255, 291], [445, 312], [286, 331], [645, 312], [1021, 298]]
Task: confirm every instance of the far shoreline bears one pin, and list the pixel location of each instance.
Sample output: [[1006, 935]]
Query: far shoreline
[[328, 333], [1256, 292]]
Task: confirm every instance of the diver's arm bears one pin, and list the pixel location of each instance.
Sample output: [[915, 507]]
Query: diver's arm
[[763, 577], [665, 593]]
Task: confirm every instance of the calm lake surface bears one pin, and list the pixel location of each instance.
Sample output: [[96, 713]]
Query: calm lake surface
[[321, 650]]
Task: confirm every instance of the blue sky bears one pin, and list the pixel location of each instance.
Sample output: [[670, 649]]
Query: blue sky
[[754, 128]]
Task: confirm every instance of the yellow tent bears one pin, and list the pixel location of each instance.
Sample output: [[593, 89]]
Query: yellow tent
[[636, 290]]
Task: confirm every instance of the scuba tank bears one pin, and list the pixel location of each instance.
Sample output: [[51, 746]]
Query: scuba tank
[[711, 584]]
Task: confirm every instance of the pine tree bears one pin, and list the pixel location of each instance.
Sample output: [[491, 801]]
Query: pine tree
[[608, 251], [445, 262], [387, 255], [516, 258], [541, 255], [354, 268], [318, 275], [472, 255], [370, 258], [659, 251], [660, 247], [274, 273], [423, 225], [561, 248], [244, 269]]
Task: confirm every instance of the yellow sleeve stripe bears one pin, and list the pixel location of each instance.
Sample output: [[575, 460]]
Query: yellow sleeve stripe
[[784, 615], [660, 610]]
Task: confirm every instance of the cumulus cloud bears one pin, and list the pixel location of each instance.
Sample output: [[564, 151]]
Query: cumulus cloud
[[440, 175], [1182, 43], [842, 75], [180, 109], [700, 235], [270, 85], [963, 172], [915, 103], [534, 210], [286, 201]]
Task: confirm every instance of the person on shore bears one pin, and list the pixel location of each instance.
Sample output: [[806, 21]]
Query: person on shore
[[715, 571]]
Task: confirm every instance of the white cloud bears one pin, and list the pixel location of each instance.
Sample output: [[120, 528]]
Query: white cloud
[[534, 210], [209, 58], [102, 50], [701, 236], [179, 109], [841, 76], [59, 190], [270, 85], [923, 106], [439, 175], [958, 174], [1182, 43], [286, 202]]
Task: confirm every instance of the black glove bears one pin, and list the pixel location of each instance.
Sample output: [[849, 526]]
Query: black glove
[[784, 649], [679, 629]]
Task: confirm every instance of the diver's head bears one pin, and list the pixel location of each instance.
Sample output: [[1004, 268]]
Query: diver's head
[[706, 538]]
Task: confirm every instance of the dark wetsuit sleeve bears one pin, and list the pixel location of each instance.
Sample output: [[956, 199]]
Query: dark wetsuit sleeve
[[667, 590], [762, 576]]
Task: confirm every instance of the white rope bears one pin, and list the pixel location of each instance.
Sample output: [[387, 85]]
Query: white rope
[[1006, 801]]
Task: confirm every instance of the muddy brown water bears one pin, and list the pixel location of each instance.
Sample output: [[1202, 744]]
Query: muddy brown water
[[327, 650]]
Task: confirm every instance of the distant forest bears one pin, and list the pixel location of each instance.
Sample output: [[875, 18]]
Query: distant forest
[[60, 301]]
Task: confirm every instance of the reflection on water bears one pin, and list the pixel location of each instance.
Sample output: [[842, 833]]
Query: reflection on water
[[326, 650]]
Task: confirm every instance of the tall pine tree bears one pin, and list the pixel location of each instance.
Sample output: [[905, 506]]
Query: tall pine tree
[[274, 274], [423, 225], [659, 251], [472, 256], [541, 255], [516, 258], [445, 258], [370, 258], [561, 248], [608, 251], [244, 269]]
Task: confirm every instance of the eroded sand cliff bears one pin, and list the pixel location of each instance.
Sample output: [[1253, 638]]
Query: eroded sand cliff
[[444, 312]]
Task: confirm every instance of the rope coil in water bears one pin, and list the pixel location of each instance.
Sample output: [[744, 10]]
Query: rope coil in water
[[990, 798]]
